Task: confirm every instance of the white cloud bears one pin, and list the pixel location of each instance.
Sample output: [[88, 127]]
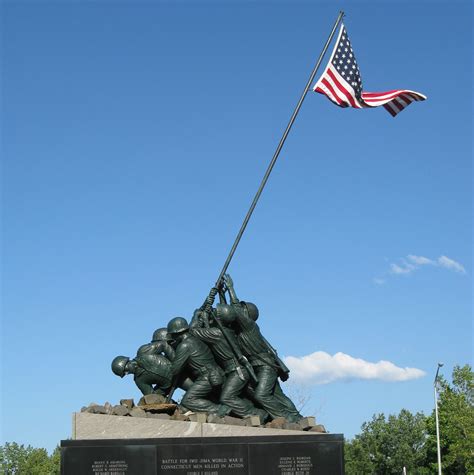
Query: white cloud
[[412, 263], [420, 260], [404, 268], [322, 368], [451, 264]]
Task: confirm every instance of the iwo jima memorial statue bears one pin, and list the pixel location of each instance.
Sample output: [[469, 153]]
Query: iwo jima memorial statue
[[234, 417]]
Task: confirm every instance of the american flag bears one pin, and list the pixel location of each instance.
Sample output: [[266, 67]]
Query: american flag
[[342, 84]]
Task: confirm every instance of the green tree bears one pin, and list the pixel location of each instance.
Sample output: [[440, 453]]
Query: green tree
[[56, 461], [17, 459], [38, 463], [456, 424], [386, 445], [357, 458], [13, 458]]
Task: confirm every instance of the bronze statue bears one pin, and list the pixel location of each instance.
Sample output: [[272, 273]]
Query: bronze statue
[[221, 360]]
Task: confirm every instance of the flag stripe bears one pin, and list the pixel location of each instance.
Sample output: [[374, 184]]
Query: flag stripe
[[382, 97], [397, 105], [332, 93], [326, 89], [339, 94], [407, 98], [401, 102], [378, 94], [391, 93], [390, 110], [414, 96], [350, 98]]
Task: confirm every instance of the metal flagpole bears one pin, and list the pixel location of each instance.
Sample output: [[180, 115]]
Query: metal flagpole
[[438, 448], [277, 152]]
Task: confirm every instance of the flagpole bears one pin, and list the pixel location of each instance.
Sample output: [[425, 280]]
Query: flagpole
[[277, 151]]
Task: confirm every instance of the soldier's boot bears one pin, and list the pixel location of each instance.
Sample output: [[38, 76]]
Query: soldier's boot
[[223, 410], [263, 414]]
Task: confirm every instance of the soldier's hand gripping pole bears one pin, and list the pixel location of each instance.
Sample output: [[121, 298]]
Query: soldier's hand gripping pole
[[207, 305]]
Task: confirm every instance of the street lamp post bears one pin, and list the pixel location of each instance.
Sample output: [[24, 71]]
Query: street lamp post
[[435, 385]]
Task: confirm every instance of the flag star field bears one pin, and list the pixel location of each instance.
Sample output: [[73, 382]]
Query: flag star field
[[346, 64]]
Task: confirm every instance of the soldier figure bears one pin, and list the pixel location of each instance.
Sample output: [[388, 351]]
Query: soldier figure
[[152, 373], [227, 354], [159, 345], [195, 355], [266, 364]]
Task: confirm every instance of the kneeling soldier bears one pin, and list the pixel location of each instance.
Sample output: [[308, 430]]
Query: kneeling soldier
[[194, 355], [152, 373]]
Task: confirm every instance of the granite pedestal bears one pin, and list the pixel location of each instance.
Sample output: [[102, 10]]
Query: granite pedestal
[[104, 445], [99, 426]]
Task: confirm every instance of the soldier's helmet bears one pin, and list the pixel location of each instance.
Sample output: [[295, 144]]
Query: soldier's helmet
[[177, 325], [160, 335], [225, 313], [251, 309], [118, 365]]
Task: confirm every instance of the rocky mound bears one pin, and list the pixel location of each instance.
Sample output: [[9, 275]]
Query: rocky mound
[[154, 406]]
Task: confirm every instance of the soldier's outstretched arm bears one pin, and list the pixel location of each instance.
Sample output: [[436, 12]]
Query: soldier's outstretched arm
[[229, 283], [208, 335]]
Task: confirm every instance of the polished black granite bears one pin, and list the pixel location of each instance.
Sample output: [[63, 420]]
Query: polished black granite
[[254, 455]]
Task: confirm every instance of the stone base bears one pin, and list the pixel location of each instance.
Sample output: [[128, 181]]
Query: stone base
[[290, 454], [87, 426]]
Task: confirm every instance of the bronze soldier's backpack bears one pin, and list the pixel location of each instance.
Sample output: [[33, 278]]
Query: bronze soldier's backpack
[[156, 364]]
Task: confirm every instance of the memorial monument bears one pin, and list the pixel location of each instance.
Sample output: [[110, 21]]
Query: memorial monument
[[234, 418]]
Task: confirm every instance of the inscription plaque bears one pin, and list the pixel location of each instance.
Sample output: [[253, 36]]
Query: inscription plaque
[[263, 455], [109, 460], [202, 459]]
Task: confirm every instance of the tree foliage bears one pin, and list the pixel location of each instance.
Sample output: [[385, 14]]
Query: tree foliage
[[456, 423], [17, 459], [386, 445]]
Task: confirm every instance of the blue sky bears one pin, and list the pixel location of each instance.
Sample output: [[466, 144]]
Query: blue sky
[[134, 136]]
